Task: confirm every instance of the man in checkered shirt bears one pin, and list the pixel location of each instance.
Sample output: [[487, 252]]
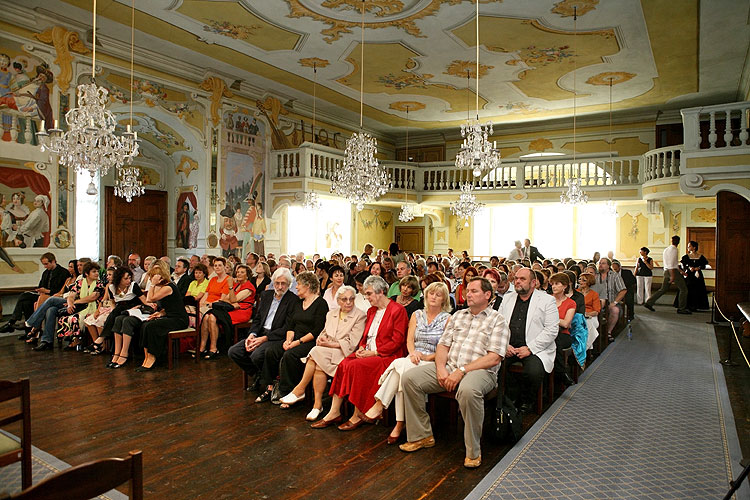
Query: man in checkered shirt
[[467, 358]]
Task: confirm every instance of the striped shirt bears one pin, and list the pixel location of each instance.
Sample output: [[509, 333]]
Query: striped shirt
[[469, 337]]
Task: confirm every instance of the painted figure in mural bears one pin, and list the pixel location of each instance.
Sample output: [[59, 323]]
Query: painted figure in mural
[[4, 75], [36, 224], [41, 96], [238, 223], [253, 129], [182, 234], [228, 230], [194, 226], [259, 228], [14, 215]]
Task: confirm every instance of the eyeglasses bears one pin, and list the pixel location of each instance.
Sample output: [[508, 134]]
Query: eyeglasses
[[346, 299]]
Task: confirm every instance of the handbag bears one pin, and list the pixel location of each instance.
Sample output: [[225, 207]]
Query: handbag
[[506, 421], [220, 305]]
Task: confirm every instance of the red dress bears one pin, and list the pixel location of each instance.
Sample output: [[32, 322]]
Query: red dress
[[358, 377], [245, 312]]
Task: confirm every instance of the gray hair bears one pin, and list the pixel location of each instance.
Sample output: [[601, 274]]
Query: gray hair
[[377, 284], [343, 289], [308, 279], [282, 272]]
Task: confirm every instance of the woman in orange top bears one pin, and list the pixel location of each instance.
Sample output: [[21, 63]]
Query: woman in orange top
[[219, 285], [593, 306]]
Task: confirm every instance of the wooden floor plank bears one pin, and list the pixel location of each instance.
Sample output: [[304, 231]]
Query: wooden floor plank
[[202, 436]]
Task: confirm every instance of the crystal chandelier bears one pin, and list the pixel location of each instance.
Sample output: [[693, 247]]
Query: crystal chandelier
[[467, 206], [312, 201], [477, 153], [361, 179], [574, 195], [407, 209], [90, 144], [610, 208]]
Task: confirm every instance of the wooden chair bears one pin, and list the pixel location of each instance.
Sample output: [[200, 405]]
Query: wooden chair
[[12, 451], [453, 409], [90, 480], [173, 337], [517, 367], [240, 326]]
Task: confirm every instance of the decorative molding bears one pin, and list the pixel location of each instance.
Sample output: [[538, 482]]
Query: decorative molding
[[218, 89], [64, 41]]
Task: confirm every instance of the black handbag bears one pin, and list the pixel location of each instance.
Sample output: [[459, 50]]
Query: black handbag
[[220, 305], [507, 421]]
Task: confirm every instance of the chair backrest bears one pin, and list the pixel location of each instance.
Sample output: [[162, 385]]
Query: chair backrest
[[193, 309], [90, 480], [19, 389]]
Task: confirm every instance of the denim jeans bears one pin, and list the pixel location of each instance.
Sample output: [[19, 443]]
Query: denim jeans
[[47, 312]]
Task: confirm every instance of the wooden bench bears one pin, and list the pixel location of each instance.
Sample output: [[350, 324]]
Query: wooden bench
[[173, 338], [10, 450]]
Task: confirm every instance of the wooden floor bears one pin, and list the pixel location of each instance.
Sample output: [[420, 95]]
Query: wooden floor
[[202, 436]]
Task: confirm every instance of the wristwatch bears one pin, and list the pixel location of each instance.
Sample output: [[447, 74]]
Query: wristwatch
[[463, 369]]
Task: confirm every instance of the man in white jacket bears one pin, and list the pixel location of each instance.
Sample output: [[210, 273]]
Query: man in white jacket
[[533, 321]]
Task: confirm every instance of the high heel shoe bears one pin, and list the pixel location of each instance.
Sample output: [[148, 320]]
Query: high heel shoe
[[145, 368], [266, 396], [115, 366], [372, 420]]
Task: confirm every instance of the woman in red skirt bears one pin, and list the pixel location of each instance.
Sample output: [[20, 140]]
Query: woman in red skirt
[[357, 375]]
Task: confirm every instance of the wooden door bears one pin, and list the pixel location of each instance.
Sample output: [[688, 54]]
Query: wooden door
[[706, 239], [410, 239], [139, 226], [732, 252]]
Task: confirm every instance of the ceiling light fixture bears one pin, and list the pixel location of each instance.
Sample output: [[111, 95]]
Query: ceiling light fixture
[[575, 195], [128, 183], [610, 208], [90, 144], [477, 154], [467, 206], [407, 213], [361, 179]]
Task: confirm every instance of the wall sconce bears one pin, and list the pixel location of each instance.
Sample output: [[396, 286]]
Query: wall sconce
[[62, 185]]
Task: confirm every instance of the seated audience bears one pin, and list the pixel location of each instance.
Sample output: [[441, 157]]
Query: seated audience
[[81, 301], [181, 277], [142, 280], [631, 284], [341, 334], [269, 325], [533, 320], [262, 279], [468, 273], [218, 286], [376, 269], [493, 277], [566, 309], [611, 289], [306, 321], [357, 375], [593, 306], [467, 358], [95, 321], [337, 281], [134, 263], [199, 285], [425, 328], [409, 289], [322, 269], [170, 316], [126, 295], [234, 308], [574, 294]]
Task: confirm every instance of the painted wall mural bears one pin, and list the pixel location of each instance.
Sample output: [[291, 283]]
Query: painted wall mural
[[25, 200], [188, 219], [242, 227]]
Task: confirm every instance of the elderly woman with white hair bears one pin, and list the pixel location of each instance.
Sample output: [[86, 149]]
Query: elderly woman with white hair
[[357, 375], [425, 328], [340, 336], [36, 224]]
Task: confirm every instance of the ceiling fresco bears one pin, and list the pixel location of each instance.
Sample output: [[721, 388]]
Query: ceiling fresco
[[417, 52]]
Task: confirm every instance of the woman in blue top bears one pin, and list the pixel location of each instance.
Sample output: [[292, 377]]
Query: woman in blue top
[[425, 328]]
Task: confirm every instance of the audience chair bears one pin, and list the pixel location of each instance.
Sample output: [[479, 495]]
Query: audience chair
[[173, 338], [90, 480], [453, 409], [575, 368], [240, 326], [603, 341], [517, 367], [11, 451]]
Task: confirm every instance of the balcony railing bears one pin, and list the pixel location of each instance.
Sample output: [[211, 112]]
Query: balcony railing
[[662, 163], [716, 127]]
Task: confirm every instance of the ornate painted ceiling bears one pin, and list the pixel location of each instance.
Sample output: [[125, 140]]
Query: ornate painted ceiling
[[656, 53]]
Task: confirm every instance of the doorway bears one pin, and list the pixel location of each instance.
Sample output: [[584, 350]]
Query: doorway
[[139, 226], [706, 239], [410, 239]]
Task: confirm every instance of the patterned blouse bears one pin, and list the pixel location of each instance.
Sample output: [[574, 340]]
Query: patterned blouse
[[426, 335]]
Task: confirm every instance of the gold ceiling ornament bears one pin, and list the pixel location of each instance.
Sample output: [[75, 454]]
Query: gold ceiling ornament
[[64, 41], [339, 27], [568, 8], [312, 62], [186, 166], [218, 89], [610, 78], [379, 7], [407, 106], [540, 144], [236, 31], [459, 68]]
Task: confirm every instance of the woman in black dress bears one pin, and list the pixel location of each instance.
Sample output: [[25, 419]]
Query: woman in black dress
[[693, 263], [170, 316], [306, 320]]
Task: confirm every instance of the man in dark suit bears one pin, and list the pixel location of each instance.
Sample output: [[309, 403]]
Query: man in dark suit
[[631, 283], [270, 324], [52, 281], [181, 276], [530, 252]]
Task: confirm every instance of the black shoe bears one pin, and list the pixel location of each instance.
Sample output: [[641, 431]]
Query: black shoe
[[266, 396], [211, 355], [684, 311], [144, 369], [255, 385], [115, 366], [649, 306], [8, 327], [526, 408], [44, 346], [24, 336], [568, 380]]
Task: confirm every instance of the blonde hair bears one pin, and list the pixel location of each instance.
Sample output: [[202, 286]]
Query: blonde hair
[[161, 268], [441, 288]]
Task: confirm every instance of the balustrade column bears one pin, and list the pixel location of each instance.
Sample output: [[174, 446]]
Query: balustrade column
[[712, 130], [728, 129], [743, 127]]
